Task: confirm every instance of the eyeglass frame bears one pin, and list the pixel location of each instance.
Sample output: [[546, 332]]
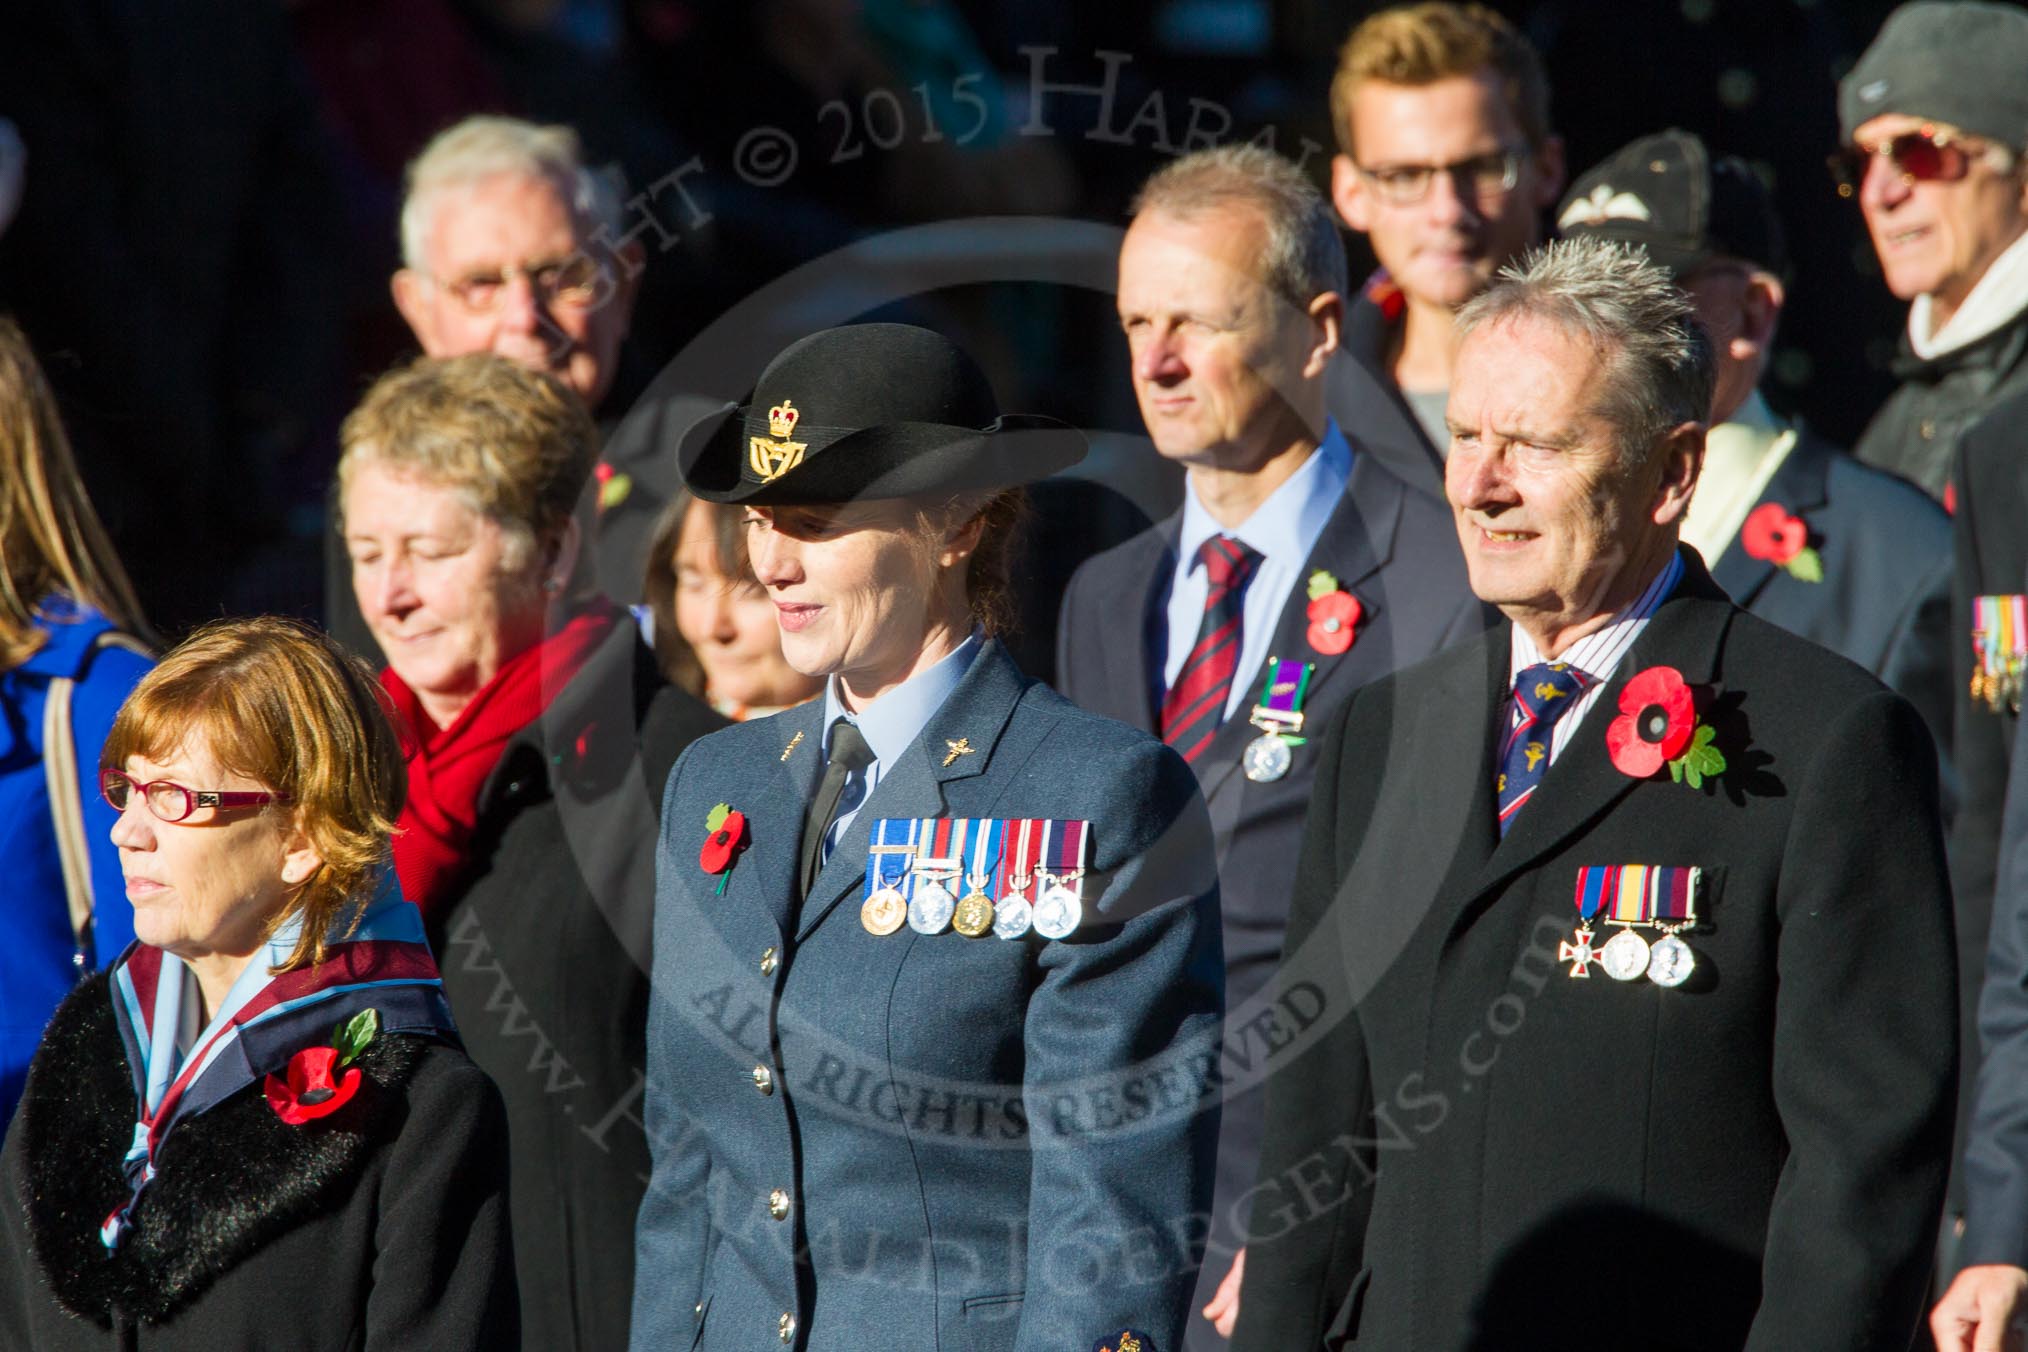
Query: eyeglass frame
[[1512, 158], [193, 798], [505, 275], [1849, 164]]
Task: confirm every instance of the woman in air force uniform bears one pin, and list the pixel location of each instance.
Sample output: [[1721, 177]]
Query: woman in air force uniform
[[933, 1037]]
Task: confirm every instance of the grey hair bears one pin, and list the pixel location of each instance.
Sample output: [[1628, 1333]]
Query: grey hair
[[1304, 257], [1659, 365], [484, 147]]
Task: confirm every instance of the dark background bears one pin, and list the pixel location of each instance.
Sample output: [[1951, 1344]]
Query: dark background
[[212, 185]]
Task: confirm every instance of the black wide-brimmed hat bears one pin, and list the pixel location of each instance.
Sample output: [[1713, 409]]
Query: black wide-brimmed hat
[[870, 411]]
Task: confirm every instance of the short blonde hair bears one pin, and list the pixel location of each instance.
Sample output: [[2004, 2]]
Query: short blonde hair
[[517, 444], [1304, 257], [489, 146], [281, 703], [1437, 40]]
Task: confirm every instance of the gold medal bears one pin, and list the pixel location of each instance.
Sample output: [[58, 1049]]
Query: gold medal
[[974, 916], [883, 912]]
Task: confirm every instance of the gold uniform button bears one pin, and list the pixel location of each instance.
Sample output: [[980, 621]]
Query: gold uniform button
[[778, 1204], [767, 962], [763, 1079], [787, 1324]]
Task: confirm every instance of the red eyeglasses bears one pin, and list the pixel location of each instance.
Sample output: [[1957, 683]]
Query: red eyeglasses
[[1921, 156], [172, 802]]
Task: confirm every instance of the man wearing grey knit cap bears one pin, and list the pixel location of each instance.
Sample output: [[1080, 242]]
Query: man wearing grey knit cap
[[1935, 118]]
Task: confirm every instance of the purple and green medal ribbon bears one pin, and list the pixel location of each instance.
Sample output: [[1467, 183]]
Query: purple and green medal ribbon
[[1287, 683], [1637, 894]]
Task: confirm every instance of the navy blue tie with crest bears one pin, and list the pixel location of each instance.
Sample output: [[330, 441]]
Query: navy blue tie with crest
[[1543, 693]]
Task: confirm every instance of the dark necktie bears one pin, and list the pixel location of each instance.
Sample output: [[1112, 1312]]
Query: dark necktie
[[1543, 693], [1195, 705], [849, 756]]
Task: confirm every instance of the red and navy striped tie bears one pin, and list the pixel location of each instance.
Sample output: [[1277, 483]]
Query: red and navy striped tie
[[1195, 705], [1543, 693]]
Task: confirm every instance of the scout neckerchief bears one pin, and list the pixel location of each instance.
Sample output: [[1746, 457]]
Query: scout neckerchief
[[263, 1021]]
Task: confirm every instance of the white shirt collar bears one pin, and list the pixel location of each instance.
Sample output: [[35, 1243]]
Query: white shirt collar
[[898, 717]]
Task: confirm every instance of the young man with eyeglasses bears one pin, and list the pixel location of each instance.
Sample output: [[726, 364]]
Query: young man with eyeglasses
[[1935, 117], [1446, 164]]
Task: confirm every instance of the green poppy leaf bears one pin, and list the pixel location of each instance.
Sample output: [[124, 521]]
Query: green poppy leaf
[[1322, 584], [352, 1036], [1807, 565], [717, 817], [1676, 769]]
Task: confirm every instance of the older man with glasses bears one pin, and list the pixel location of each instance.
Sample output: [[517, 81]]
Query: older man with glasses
[[1447, 162], [1935, 115]]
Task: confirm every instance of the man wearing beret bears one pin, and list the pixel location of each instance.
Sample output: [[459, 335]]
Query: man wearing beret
[[1792, 527], [1630, 916]]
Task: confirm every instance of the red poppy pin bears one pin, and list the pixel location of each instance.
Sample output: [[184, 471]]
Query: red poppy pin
[[1334, 615], [314, 1086], [1773, 534], [727, 837], [1658, 726]]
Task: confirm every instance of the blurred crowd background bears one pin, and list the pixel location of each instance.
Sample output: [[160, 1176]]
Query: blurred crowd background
[[203, 256]]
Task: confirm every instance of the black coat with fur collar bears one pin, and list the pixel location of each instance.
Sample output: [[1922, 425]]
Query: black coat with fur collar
[[382, 1226]]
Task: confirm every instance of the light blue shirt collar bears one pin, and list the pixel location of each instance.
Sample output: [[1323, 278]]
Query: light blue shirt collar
[[898, 717]]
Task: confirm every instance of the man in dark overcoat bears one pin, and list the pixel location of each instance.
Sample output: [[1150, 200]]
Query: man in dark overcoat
[[1629, 920]]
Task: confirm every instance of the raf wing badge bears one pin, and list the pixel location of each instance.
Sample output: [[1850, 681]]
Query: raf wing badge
[[961, 747]]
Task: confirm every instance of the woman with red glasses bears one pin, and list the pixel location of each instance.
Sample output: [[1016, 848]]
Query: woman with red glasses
[[68, 655], [258, 1129]]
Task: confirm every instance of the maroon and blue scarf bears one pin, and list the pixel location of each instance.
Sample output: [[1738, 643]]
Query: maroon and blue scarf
[[384, 965]]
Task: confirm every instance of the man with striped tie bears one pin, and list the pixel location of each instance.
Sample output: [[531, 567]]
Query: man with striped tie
[[1627, 921], [1299, 568]]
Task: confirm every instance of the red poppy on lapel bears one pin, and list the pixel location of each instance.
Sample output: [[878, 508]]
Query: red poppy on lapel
[[1658, 726], [311, 1090], [1334, 615], [722, 846], [1774, 535]]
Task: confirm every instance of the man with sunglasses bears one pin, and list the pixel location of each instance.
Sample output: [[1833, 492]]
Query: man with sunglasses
[[1935, 117], [1797, 532], [1447, 163]]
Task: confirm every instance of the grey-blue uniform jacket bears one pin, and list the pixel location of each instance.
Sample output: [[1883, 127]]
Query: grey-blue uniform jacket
[[920, 1141]]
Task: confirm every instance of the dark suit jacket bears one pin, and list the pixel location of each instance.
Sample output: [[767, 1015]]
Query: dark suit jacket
[[1473, 1140], [383, 1225], [1397, 552], [1367, 403], [971, 1143], [1885, 598]]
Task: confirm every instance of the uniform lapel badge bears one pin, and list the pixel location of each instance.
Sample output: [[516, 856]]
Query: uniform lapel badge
[[1657, 726], [794, 742], [1279, 716], [1333, 614], [2000, 648], [1129, 1340], [771, 459], [1773, 534], [1635, 897], [961, 747], [725, 837]]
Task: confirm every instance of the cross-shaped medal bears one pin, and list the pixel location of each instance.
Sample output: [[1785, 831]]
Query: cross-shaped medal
[[1578, 953]]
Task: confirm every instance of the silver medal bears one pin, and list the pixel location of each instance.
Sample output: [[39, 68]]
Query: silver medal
[[1058, 912], [1670, 962], [931, 908], [1012, 918], [1267, 758], [1625, 956]]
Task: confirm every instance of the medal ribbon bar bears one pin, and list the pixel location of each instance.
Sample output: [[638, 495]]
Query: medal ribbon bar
[[1281, 698]]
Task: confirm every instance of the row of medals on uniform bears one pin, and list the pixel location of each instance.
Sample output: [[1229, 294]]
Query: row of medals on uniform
[[1628, 957], [1055, 914]]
